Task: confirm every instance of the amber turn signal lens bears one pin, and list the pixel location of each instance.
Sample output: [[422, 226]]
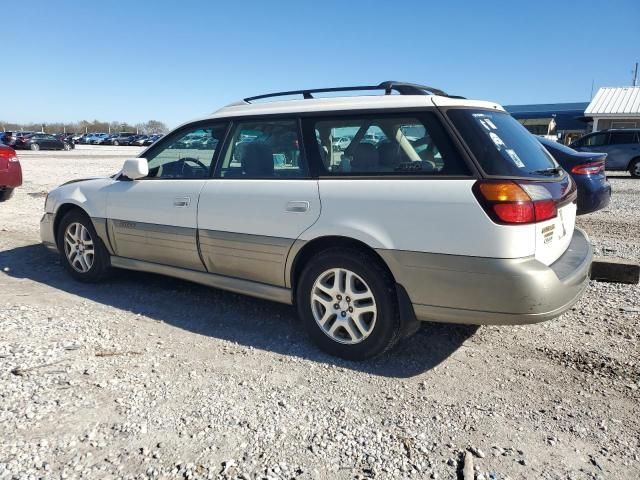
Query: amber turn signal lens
[[503, 192]]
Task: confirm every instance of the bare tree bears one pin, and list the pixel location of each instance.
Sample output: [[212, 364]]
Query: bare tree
[[85, 126], [155, 126]]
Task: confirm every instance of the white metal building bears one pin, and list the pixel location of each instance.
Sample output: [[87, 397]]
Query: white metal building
[[615, 107]]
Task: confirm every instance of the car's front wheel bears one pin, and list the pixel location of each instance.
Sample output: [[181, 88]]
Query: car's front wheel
[[84, 255], [116, 143], [347, 301], [66, 146], [634, 168], [35, 147]]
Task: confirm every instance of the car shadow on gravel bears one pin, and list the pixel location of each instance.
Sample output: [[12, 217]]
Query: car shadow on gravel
[[232, 317]]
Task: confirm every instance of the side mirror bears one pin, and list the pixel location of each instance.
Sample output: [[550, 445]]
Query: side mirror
[[135, 168]]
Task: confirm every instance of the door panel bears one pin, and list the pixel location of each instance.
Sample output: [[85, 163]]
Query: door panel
[[155, 220], [247, 227]]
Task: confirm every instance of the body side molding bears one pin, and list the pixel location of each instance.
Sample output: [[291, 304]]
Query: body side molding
[[246, 287]]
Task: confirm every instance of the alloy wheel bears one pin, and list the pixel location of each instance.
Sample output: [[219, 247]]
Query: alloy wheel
[[343, 306], [78, 247]]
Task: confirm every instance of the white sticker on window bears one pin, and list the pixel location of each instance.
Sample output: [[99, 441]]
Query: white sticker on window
[[484, 124], [497, 140], [490, 123], [514, 156]]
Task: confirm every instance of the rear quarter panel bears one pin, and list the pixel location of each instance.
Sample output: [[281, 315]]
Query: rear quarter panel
[[421, 215]]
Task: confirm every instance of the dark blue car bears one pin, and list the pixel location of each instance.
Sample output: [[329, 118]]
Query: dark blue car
[[587, 170]]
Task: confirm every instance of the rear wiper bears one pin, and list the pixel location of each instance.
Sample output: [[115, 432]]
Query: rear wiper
[[547, 171]]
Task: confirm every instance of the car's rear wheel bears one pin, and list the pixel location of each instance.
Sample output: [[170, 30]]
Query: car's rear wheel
[[116, 143], [5, 194], [35, 147], [634, 168], [347, 301], [83, 254], [67, 147]]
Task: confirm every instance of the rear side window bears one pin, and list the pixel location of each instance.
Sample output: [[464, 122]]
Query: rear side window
[[264, 149], [622, 138], [386, 145], [501, 145]]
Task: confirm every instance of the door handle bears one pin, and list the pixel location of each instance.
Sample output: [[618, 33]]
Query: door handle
[[181, 201], [298, 206]]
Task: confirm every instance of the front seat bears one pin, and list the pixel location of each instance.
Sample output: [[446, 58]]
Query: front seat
[[257, 160], [365, 158], [391, 155]]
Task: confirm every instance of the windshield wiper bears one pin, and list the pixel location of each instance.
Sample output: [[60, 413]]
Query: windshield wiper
[[547, 171]]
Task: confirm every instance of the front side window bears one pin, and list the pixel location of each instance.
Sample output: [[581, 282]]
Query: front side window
[[501, 145], [188, 154], [264, 149], [386, 145]]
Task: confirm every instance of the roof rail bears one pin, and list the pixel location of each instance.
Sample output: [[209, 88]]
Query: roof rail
[[402, 88]]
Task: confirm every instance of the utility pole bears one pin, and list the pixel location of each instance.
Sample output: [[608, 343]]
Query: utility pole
[[635, 75]]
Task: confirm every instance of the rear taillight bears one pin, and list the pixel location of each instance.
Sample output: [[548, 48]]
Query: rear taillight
[[9, 154], [512, 203], [589, 168]]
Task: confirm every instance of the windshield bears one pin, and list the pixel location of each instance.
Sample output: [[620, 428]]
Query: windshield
[[501, 145]]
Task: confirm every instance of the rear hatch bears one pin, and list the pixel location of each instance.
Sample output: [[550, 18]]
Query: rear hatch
[[522, 184]]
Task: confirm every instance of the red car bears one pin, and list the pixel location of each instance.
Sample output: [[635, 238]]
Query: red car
[[10, 172]]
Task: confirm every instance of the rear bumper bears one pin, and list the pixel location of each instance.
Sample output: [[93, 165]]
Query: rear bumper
[[593, 194], [12, 177], [490, 291], [46, 231]]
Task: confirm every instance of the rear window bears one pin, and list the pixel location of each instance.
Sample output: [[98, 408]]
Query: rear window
[[501, 145], [556, 146]]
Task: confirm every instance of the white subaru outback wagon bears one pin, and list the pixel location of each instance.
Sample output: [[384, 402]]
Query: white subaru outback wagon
[[435, 208]]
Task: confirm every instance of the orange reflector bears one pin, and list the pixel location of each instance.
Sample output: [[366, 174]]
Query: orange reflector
[[503, 192]]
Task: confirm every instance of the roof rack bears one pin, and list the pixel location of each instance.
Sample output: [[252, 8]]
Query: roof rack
[[402, 88]]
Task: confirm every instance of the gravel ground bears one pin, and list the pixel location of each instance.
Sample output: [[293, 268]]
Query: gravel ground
[[151, 377]]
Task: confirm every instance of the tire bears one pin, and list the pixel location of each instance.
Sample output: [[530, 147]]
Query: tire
[[317, 294], [634, 168], [115, 143], [6, 194], [88, 267], [35, 147], [66, 147]]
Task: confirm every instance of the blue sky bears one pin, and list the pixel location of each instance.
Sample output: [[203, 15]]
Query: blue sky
[[173, 61]]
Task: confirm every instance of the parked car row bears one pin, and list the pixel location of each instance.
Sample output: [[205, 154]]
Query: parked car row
[[35, 141], [116, 139], [46, 140]]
